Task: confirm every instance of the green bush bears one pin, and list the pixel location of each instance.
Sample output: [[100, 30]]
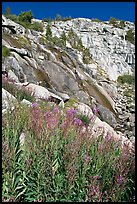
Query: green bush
[[25, 16], [113, 21], [130, 79], [13, 17], [130, 36], [37, 26], [84, 119], [86, 56], [121, 24], [48, 32], [5, 52]]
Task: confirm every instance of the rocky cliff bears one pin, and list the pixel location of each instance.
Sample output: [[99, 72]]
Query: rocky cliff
[[81, 62]]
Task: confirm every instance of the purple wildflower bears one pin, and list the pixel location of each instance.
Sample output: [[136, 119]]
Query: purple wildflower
[[34, 105], [56, 110], [64, 125], [78, 122], [71, 112], [119, 179], [109, 136], [87, 158], [95, 110]]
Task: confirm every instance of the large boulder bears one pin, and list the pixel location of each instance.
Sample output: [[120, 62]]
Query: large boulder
[[98, 127]]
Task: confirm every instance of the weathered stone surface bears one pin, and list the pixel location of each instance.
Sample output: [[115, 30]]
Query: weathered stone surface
[[8, 100]]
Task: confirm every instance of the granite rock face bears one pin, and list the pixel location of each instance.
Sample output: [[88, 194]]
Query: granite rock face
[[65, 73]]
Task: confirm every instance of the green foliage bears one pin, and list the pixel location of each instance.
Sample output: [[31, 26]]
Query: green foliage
[[37, 26], [48, 32], [5, 52], [19, 94], [130, 36], [48, 20], [71, 102], [122, 24], [86, 120], [86, 56], [24, 41], [95, 20], [74, 40], [113, 21], [105, 30], [63, 38], [13, 17], [130, 79], [67, 18], [60, 162], [25, 16], [117, 23]]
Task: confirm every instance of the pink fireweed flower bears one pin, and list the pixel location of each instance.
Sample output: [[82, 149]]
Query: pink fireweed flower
[[56, 110], [95, 110], [34, 105], [87, 158], [71, 112], [109, 136], [78, 122], [119, 179], [64, 125]]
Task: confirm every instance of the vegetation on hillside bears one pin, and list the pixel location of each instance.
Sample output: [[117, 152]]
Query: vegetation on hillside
[[5, 52], [117, 23], [126, 78], [130, 36], [48, 154]]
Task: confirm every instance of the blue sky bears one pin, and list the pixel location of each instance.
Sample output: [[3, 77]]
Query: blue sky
[[101, 10]]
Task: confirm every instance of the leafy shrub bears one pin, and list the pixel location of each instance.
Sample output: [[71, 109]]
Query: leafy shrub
[[130, 79], [13, 17], [130, 36], [37, 26], [48, 32], [113, 21], [5, 52], [25, 16], [74, 40], [121, 24], [84, 119], [86, 56]]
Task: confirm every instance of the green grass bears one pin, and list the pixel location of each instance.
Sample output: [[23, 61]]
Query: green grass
[[5, 52], [60, 162], [20, 94], [126, 78]]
